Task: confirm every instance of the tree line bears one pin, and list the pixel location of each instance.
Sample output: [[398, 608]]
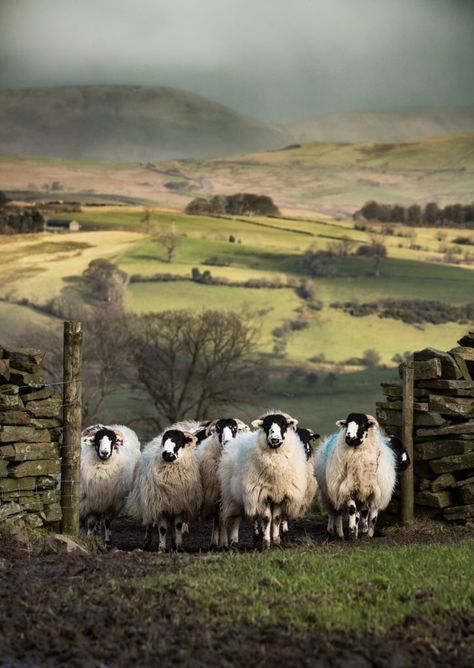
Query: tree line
[[431, 215]]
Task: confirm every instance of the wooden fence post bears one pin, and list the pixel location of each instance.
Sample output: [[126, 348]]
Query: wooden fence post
[[407, 484], [72, 420]]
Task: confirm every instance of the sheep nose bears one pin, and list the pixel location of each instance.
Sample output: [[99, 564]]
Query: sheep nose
[[353, 441], [169, 456]]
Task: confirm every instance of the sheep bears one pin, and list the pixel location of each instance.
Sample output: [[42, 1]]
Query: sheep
[[305, 436], [108, 458], [403, 458], [263, 476], [356, 472], [167, 486], [220, 433]]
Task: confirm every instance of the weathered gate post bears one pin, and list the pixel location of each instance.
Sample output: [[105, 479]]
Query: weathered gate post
[[407, 482], [72, 419]]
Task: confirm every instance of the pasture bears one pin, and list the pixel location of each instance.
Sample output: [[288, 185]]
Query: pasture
[[36, 268], [335, 178]]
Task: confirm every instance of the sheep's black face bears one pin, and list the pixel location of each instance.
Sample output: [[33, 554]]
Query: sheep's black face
[[105, 441], [275, 427], [306, 436], [226, 430], [357, 427], [173, 442], [403, 459]]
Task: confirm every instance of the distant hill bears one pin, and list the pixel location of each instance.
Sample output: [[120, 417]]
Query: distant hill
[[382, 126], [125, 123]]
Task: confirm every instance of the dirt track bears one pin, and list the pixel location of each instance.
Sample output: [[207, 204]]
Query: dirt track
[[86, 610]]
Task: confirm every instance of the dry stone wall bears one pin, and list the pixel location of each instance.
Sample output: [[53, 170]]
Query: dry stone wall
[[443, 429], [30, 432]]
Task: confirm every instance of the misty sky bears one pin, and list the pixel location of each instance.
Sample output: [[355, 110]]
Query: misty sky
[[274, 59]]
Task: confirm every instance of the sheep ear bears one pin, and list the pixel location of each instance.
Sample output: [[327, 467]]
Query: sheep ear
[[341, 424], [257, 424], [87, 435], [189, 438], [119, 435], [373, 422], [211, 427], [241, 426], [292, 423]]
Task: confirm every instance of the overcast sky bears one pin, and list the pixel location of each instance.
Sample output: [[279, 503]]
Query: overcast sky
[[274, 59]]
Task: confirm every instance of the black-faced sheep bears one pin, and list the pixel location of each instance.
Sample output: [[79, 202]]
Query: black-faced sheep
[[167, 485], [263, 476], [220, 434], [356, 472], [305, 436], [108, 458]]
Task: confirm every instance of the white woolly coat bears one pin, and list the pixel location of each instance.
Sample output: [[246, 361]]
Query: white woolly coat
[[105, 485], [251, 473], [209, 455], [165, 489], [366, 473], [311, 486]]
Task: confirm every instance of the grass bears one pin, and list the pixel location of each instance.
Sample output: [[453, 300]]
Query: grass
[[325, 588], [38, 267]]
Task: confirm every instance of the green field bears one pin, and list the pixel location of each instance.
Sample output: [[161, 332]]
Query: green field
[[39, 267], [323, 588]]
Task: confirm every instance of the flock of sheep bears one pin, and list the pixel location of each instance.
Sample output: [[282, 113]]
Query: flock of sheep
[[225, 471]]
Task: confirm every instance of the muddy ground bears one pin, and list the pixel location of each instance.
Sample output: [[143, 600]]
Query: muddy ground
[[80, 610]]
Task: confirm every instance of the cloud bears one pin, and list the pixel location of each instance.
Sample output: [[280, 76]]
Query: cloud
[[272, 58]]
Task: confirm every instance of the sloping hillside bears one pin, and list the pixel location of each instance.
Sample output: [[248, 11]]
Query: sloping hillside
[[382, 126], [125, 123], [334, 178]]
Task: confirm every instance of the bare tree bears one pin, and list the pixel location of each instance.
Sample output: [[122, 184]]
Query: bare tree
[[343, 246], [375, 250], [170, 241], [194, 365], [107, 361], [147, 221]]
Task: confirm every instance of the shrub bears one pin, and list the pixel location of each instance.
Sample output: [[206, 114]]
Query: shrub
[[371, 358], [240, 204]]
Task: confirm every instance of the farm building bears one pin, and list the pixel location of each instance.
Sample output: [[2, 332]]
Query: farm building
[[62, 225]]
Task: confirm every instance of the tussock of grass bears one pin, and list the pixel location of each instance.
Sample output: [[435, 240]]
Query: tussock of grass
[[326, 588]]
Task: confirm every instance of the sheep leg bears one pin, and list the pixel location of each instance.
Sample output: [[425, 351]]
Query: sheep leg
[[234, 532], [148, 537], [177, 535], [93, 525], [276, 521], [223, 537], [352, 510], [373, 514], [266, 522], [107, 531], [257, 533], [284, 531], [339, 526], [331, 519], [162, 528], [364, 525], [215, 530]]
